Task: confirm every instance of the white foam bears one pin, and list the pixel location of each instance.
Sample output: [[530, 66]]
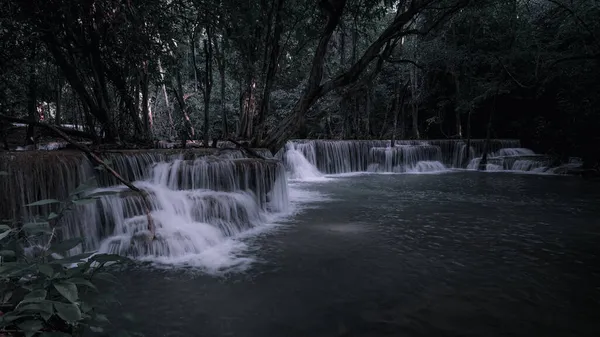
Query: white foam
[[299, 168], [427, 167]]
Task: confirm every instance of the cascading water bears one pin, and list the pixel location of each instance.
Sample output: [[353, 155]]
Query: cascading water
[[298, 166], [200, 204], [413, 156], [514, 159]]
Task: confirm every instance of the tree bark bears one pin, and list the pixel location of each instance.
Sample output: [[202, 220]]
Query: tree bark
[[59, 85], [486, 145], [271, 71], [208, 83], [467, 156], [146, 114], [31, 107]]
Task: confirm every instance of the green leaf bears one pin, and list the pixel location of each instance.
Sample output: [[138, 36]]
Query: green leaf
[[46, 269], [5, 234], [10, 317], [44, 306], [68, 290], [72, 259], [101, 258], [101, 318], [36, 295], [84, 201], [5, 228], [30, 326], [36, 226], [84, 186], [44, 202], [96, 329], [3, 173], [106, 277], [83, 282], [67, 311], [102, 193], [6, 297], [52, 216], [66, 245], [7, 253]]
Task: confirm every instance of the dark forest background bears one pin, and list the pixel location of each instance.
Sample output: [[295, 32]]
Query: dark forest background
[[268, 70]]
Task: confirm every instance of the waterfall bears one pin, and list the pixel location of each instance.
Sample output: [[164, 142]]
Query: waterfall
[[411, 156], [197, 205], [202, 200], [200, 204], [298, 162], [405, 158]]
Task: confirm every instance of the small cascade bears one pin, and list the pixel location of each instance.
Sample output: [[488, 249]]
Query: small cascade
[[415, 156], [298, 164], [513, 151], [427, 167], [404, 158], [345, 156], [493, 164], [515, 159]]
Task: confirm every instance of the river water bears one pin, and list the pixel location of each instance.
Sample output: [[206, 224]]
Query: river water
[[451, 254]]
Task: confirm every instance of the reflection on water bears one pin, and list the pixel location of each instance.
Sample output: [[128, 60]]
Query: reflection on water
[[460, 254]]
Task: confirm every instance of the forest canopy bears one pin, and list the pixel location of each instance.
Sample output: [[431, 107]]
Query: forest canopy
[[267, 71]]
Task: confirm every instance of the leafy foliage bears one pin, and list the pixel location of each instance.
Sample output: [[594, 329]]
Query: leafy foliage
[[45, 290]]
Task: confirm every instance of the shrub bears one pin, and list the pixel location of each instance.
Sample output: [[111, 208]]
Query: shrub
[[43, 290]]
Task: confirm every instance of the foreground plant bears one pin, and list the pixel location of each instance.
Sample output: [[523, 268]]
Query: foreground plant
[[43, 290]]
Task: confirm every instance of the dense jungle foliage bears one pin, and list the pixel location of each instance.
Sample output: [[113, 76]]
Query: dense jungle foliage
[[267, 71]]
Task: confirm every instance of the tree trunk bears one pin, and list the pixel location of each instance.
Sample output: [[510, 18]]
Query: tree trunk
[[59, 85], [396, 112], [459, 132], [165, 93], [399, 110], [208, 82], [467, 157], [484, 157], [146, 114], [31, 107], [186, 129], [486, 145], [223, 108], [271, 71], [415, 121]]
